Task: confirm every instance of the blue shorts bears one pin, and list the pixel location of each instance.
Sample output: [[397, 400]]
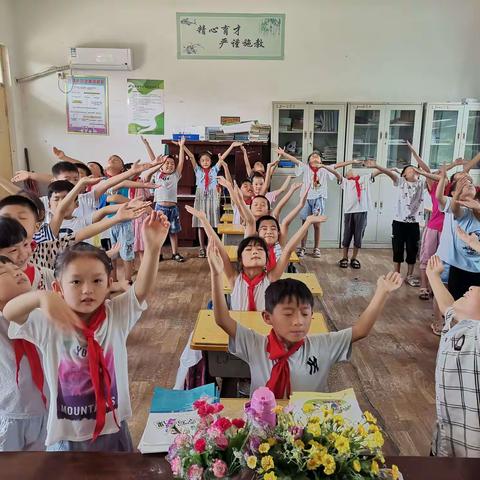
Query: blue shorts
[[446, 273], [173, 215], [316, 206], [123, 234]]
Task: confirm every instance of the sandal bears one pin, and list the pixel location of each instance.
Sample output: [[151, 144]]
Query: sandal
[[412, 281], [435, 330], [316, 253], [343, 263], [300, 252], [355, 264], [202, 253], [424, 294]]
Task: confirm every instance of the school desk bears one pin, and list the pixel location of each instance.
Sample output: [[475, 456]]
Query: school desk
[[231, 234], [232, 254], [207, 335], [309, 279], [128, 466], [227, 218], [228, 207]]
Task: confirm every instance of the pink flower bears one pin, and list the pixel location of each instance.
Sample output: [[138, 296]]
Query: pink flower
[[238, 422], [221, 441], [296, 431], [181, 440], [198, 403], [195, 472], [200, 445], [219, 468], [223, 424], [214, 432], [218, 407], [176, 465]]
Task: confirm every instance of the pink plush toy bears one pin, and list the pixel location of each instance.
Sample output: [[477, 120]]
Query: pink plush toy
[[261, 406]]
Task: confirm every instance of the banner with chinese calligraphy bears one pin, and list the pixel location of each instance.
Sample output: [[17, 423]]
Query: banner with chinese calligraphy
[[146, 112], [87, 107], [256, 36]]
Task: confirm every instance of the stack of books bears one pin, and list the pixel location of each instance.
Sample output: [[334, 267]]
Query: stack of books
[[259, 132], [329, 154], [173, 405]]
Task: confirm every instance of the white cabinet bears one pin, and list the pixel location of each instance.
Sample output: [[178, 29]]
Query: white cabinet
[[302, 128], [380, 131], [452, 130]]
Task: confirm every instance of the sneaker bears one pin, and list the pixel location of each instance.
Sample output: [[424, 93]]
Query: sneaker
[[300, 252], [316, 253], [178, 258], [412, 281], [202, 253]]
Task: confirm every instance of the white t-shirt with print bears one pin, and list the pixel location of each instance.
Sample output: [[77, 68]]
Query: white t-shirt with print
[[168, 185], [351, 202], [22, 400], [309, 365], [87, 204], [409, 206], [316, 191], [72, 406]]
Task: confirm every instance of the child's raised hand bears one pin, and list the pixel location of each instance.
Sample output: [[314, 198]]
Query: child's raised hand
[[280, 151], [214, 259], [243, 149], [459, 161], [21, 176], [196, 213], [370, 163], [132, 210], [155, 230], [434, 266], [89, 181], [471, 240], [311, 219], [58, 153], [223, 182], [295, 186], [114, 251], [389, 282], [57, 310], [472, 204], [237, 144]]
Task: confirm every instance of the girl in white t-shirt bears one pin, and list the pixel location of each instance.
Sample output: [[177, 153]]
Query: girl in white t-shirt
[[82, 337]]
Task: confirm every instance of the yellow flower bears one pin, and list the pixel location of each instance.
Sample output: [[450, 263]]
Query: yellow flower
[[342, 445], [270, 476], [277, 409], [395, 472], [308, 408], [327, 412], [369, 417], [299, 444], [373, 428], [356, 465], [329, 464], [267, 463], [314, 420], [374, 468], [338, 419], [379, 438], [314, 429], [271, 441], [251, 462], [362, 431], [313, 463], [380, 458], [264, 447]]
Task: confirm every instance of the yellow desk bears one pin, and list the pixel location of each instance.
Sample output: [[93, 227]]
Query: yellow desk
[[231, 234], [232, 254], [227, 218], [207, 335], [309, 279], [228, 207]]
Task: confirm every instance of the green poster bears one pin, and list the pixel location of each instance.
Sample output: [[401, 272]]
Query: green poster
[[146, 110]]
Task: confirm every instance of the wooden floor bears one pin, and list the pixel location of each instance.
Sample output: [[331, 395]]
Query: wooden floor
[[392, 371]]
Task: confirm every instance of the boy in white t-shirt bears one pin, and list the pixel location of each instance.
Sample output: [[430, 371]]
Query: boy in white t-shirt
[[23, 416], [289, 359], [315, 176]]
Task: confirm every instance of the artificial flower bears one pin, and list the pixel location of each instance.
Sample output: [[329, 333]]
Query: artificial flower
[[271, 441], [313, 463], [329, 464], [369, 417], [314, 429], [176, 465], [195, 472], [375, 469], [270, 476], [223, 424], [299, 444], [277, 409], [219, 468], [395, 472], [308, 408], [251, 462], [264, 447], [200, 445], [342, 445], [238, 422], [267, 463], [357, 466]]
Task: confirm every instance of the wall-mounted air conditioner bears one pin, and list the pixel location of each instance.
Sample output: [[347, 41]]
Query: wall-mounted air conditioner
[[100, 58]]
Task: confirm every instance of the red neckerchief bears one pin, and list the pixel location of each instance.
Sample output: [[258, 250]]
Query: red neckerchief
[[279, 382], [357, 186], [33, 245], [315, 174], [272, 259], [248, 201], [98, 371], [22, 347], [252, 283], [206, 172]]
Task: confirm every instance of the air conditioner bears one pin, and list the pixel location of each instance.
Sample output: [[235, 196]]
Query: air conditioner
[[100, 58]]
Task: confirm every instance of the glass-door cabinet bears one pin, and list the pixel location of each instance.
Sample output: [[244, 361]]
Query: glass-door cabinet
[[470, 137]]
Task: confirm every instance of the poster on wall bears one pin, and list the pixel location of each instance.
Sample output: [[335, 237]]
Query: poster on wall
[[255, 36], [87, 105], [146, 111]]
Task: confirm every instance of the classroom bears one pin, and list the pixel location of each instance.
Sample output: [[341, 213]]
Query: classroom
[[240, 239]]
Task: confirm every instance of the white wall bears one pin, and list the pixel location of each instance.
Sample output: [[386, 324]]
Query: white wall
[[349, 50]]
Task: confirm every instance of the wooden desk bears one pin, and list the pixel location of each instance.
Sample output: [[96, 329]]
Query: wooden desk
[[231, 234], [207, 335], [309, 279], [232, 254], [135, 466], [227, 218], [228, 207]]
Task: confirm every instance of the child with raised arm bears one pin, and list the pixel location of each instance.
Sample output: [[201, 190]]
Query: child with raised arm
[[82, 336], [257, 166], [280, 360], [315, 175], [457, 372], [166, 195]]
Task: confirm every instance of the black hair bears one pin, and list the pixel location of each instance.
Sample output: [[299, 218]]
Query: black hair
[[81, 166], [61, 167], [257, 175], [28, 200], [208, 154], [314, 152], [127, 166], [405, 167], [59, 186], [264, 197], [265, 218], [254, 240], [11, 232], [100, 167], [247, 180], [4, 260], [287, 289], [81, 250]]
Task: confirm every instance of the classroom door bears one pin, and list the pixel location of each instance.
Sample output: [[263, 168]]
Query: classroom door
[[5, 152]]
